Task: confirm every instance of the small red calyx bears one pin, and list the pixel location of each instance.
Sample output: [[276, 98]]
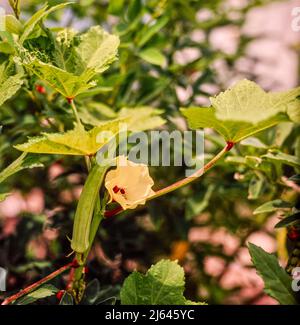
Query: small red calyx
[[40, 89], [85, 270], [122, 191], [70, 100], [230, 145], [60, 294]]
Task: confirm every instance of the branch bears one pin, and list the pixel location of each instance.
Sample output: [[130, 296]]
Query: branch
[[37, 284]]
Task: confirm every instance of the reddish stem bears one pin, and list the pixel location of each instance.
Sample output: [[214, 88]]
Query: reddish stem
[[113, 212], [37, 284]]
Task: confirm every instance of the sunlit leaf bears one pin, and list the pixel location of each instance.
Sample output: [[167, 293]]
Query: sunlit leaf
[[199, 117], [294, 111], [163, 284], [13, 25], [246, 101], [97, 49], [73, 142], [66, 83], [142, 118], [74, 60]]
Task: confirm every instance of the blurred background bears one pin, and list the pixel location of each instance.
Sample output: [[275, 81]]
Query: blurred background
[[173, 54]]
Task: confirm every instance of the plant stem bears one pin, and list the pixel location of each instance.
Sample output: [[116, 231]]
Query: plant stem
[[192, 177], [38, 283], [72, 103]]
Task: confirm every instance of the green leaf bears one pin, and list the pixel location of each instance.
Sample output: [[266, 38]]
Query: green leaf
[[37, 17], [115, 7], [277, 281], [293, 111], [153, 56], [81, 142], [230, 130], [196, 204], [73, 142], [283, 130], [94, 113], [6, 48], [149, 31], [3, 196], [66, 299], [97, 49], [142, 118], [66, 83], [272, 206], [45, 291], [276, 155], [134, 9], [9, 84], [75, 60], [288, 220], [256, 186], [248, 102], [163, 284], [13, 25], [23, 162], [253, 142]]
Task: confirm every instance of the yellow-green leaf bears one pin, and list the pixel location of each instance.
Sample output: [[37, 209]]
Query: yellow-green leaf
[[248, 102], [294, 111], [153, 56], [9, 84], [97, 49], [37, 17], [74, 142], [66, 83], [234, 131], [142, 118]]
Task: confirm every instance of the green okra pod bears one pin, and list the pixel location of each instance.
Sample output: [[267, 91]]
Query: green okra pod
[[85, 208]]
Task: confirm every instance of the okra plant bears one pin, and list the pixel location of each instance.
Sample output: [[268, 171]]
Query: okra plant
[[65, 69]]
